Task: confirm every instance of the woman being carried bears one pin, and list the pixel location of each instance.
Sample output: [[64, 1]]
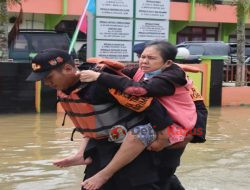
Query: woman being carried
[[159, 77]]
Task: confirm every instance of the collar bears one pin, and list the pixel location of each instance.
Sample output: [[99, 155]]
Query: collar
[[151, 74], [79, 85]]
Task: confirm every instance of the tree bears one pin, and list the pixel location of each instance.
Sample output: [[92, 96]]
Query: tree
[[4, 27], [242, 12], [243, 9]]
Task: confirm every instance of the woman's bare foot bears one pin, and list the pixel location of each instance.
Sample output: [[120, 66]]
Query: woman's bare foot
[[96, 182], [74, 160]]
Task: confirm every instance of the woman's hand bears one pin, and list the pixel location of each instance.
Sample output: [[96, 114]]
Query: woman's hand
[[158, 145], [161, 142], [182, 144], [88, 75]]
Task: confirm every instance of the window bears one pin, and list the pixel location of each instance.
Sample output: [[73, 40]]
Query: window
[[196, 50], [197, 34], [233, 37], [21, 43], [44, 41]]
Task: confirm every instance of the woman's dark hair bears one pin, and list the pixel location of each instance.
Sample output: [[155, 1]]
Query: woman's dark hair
[[166, 49]]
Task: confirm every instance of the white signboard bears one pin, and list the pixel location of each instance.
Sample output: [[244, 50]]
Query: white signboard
[[152, 9], [151, 30], [114, 29], [114, 8], [118, 50]]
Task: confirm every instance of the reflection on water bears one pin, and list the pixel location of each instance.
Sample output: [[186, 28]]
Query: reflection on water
[[29, 143]]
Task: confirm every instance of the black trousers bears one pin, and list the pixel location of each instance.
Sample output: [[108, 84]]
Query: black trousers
[[175, 184], [146, 172], [141, 174], [168, 181]]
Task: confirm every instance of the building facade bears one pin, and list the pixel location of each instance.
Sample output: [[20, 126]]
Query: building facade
[[189, 21]]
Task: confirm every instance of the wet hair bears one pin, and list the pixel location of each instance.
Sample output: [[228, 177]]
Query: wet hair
[[166, 49]]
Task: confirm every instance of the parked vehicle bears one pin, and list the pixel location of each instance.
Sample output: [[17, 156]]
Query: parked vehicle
[[26, 45], [30, 42], [233, 52], [218, 48], [206, 48]]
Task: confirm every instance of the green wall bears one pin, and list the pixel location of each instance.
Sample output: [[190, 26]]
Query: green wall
[[174, 28], [225, 30], [52, 20]]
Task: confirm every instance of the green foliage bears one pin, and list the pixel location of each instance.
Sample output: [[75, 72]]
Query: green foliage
[[208, 3], [10, 1], [243, 7], [3, 15]]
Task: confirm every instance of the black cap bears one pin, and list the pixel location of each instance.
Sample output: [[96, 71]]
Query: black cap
[[46, 61], [139, 48]]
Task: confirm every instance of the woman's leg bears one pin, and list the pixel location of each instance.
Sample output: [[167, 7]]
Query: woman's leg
[[133, 144]]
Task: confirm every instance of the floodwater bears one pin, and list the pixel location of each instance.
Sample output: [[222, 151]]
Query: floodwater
[[30, 142]]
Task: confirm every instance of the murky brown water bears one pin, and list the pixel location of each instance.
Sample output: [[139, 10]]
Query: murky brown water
[[30, 142], [223, 162]]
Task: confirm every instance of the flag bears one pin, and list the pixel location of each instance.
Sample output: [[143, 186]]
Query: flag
[[83, 26], [15, 29], [82, 23], [91, 7]]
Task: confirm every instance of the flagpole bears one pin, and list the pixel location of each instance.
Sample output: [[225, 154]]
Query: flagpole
[[73, 41]]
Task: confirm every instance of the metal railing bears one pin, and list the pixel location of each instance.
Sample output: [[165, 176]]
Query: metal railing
[[230, 72]]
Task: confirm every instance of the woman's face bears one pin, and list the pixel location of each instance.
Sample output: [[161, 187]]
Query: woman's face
[[150, 60]]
